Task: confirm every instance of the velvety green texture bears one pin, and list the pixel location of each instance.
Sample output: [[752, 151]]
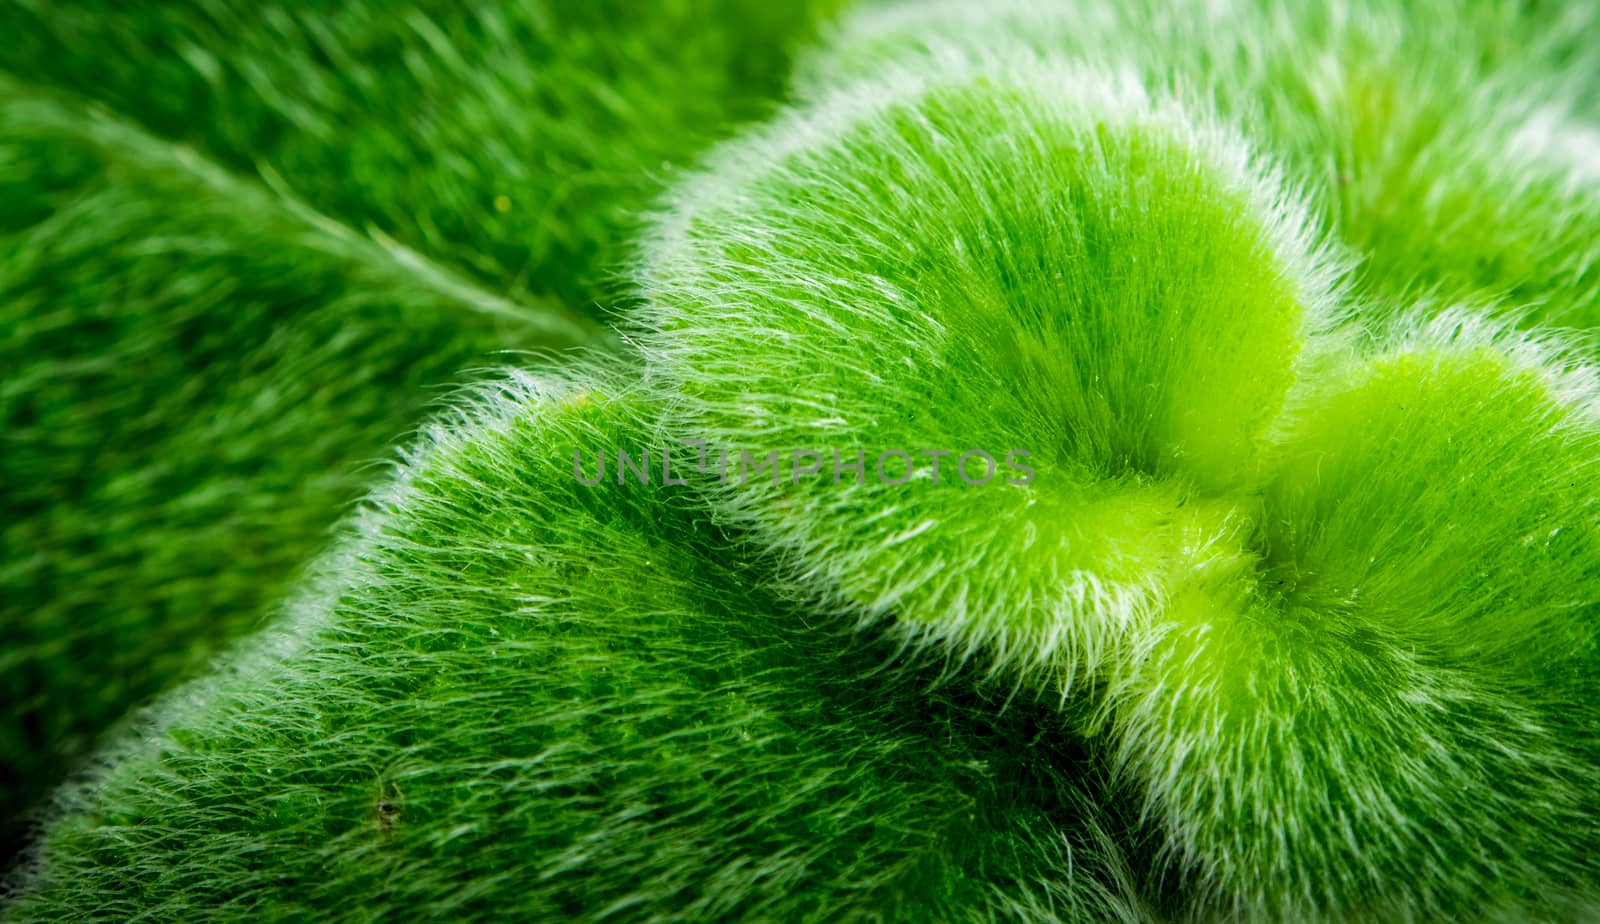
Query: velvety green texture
[[198, 381], [514, 697], [1279, 602], [1332, 590], [1017, 257], [1453, 147], [245, 246], [513, 141]]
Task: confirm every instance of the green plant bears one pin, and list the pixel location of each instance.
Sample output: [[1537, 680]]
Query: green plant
[[1449, 146], [1333, 594], [514, 696], [1273, 595], [514, 143], [244, 247]]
